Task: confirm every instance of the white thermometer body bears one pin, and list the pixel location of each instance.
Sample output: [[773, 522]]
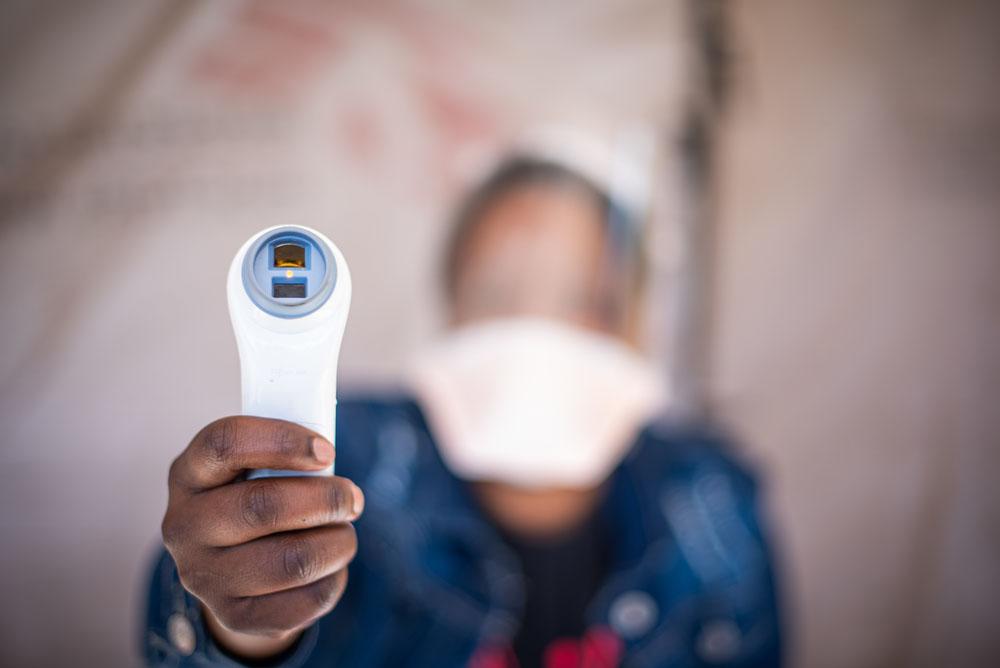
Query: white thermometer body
[[289, 292]]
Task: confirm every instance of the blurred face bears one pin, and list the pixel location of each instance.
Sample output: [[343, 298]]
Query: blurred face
[[538, 250]]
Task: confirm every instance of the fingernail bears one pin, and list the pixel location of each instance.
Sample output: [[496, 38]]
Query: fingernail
[[359, 500], [322, 450]]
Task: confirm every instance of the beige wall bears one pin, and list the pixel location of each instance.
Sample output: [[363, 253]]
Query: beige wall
[[855, 286], [857, 344]]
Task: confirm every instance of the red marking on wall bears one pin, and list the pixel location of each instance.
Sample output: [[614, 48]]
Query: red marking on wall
[[361, 135], [267, 50], [275, 50]]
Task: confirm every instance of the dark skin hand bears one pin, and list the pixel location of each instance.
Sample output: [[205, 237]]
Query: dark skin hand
[[265, 557]]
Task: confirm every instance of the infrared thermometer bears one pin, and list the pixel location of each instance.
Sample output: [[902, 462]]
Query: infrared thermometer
[[289, 291]]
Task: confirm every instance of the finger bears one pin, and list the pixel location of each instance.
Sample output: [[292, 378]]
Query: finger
[[285, 561], [243, 511], [276, 613], [224, 449]]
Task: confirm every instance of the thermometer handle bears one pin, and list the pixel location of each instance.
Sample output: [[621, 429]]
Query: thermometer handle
[[291, 390]]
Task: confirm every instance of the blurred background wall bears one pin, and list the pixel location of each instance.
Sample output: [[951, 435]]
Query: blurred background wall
[[850, 286], [857, 317]]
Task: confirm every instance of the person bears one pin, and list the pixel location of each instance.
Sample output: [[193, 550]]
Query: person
[[522, 505]]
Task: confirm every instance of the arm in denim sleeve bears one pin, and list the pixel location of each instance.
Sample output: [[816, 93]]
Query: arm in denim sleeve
[[766, 645], [712, 506], [728, 497]]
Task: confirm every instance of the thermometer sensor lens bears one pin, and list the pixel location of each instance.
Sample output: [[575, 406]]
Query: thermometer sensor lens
[[289, 273], [289, 255]]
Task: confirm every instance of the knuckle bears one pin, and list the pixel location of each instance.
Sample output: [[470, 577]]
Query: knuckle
[[284, 438], [184, 575], [349, 540], [298, 562], [178, 530], [170, 529], [194, 580], [326, 592], [219, 439], [260, 505], [174, 472], [340, 498]]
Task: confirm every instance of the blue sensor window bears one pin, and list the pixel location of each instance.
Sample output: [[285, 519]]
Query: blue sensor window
[[288, 290], [289, 273]]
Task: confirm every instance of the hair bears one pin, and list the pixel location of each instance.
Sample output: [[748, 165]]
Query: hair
[[519, 171]]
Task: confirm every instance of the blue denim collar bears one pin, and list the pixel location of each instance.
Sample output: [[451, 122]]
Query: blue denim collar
[[446, 556]]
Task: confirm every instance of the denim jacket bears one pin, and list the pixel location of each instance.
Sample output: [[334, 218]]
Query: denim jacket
[[433, 585]]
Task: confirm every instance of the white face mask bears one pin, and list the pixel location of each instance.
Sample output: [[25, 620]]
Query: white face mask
[[534, 403]]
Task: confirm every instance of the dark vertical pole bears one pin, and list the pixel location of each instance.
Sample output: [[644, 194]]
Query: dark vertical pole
[[691, 356]]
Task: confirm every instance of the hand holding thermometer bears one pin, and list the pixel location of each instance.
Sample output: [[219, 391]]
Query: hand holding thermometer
[[289, 291]]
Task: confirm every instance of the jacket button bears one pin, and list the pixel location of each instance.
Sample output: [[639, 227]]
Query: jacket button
[[181, 634], [719, 641], [633, 613]]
